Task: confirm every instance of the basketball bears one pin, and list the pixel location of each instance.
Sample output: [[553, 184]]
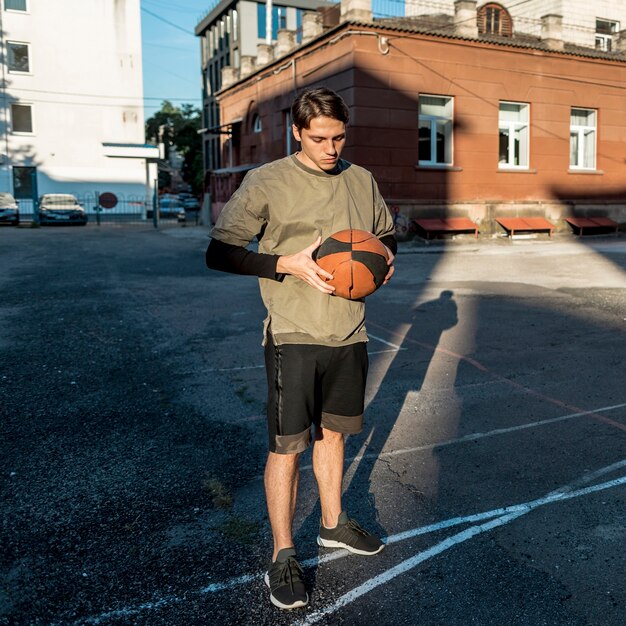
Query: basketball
[[356, 259]]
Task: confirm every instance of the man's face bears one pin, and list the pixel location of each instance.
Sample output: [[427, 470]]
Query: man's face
[[322, 143]]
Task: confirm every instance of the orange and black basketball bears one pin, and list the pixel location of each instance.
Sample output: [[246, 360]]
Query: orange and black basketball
[[356, 259]]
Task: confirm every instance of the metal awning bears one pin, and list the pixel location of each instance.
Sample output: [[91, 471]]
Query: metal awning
[[131, 150]]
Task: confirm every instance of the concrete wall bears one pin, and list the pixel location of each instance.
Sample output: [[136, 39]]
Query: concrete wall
[[85, 87], [579, 16], [249, 29], [425, 7]]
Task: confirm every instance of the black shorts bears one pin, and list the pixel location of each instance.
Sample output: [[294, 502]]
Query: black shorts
[[312, 384]]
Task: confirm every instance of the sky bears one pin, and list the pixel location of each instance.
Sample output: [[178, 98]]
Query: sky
[[171, 52]]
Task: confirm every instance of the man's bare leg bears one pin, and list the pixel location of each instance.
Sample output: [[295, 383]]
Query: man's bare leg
[[281, 488], [328, 452]]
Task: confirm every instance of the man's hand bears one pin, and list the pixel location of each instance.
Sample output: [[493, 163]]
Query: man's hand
[[392, 269], [302, 265]]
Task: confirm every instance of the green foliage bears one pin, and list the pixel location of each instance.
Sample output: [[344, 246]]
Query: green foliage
[[220, 496], [239, 530], [178, 127]]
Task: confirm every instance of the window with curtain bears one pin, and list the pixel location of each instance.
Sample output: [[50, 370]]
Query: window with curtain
[[18, 57], [513, 134], [435, 130], [15, 5], [21, 118], [583, 139]]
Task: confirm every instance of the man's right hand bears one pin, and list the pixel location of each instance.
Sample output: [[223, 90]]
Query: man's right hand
[[302, 265]]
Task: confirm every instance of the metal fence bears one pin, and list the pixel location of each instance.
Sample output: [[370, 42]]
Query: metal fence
[[123, 210]]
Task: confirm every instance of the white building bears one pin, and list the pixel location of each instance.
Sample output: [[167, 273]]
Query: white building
[[230, 36], [591, 24], [71, 113]]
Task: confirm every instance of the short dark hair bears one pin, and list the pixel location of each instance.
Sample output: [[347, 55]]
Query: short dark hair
[[318, 102]]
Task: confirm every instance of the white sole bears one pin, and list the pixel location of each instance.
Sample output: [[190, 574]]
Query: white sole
[[329, 543], [280, 605]]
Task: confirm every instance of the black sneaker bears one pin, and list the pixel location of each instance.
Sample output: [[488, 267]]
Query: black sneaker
[[284, 578], [349, 535]]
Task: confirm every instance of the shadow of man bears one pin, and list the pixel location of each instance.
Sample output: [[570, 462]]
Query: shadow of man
[[392, 387]]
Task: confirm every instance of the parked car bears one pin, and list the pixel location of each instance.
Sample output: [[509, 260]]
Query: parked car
[[9, 211], [170, 206], [191, 204], [61, 208], [191, 209]]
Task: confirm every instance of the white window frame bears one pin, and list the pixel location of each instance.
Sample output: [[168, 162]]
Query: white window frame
[[257, 124], [604, 41], [513, 128], [32, 118], [434, 121], [581, 131], [30, 57], [26, 10]]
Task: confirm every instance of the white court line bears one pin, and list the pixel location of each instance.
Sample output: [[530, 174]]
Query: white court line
[[234, 369], [449, 542], [505, 515], [475, 436], [405, 566], [387, 343], [525, 507]]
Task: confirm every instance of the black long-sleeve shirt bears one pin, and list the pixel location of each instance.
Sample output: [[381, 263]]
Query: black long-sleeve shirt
[[237, 260]]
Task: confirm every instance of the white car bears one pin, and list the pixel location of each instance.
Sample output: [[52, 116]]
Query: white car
[[61, 208], [9, 211]]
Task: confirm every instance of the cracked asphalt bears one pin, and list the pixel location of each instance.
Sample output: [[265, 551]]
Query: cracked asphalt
[[133, 440]]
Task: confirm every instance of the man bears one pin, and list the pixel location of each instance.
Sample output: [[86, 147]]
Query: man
[[315, 343]]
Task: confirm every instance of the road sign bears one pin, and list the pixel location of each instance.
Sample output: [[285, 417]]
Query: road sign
[[108, 200]]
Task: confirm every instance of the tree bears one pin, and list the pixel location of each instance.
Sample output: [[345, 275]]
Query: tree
[[178, 127]]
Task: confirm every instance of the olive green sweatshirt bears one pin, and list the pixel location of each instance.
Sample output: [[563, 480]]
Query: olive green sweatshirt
[[288, 206]]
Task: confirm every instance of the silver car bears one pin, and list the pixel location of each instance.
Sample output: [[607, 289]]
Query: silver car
[[61, 208], [9, 211]]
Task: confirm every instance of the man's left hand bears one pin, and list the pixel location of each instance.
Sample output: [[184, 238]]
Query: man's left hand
[[390, 260]]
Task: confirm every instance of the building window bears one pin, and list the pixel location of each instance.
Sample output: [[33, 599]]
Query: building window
[[299, 13], [15, 5], [583, 139], [279, 20], [24, 182], [22, 118], [18, 57], [282, 17], [513, 132], [435, 130], [235, 25], [494, 19], [605, 30], [257, 125], [260, 20]]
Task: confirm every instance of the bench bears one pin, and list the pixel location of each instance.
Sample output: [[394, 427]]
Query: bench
[[525, 224], [593, 223], [446, 225]]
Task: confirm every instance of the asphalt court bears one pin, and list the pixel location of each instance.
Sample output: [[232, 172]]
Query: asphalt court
[[493, 458]]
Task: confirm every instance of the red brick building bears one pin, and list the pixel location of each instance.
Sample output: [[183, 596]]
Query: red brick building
[[482, 126]]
